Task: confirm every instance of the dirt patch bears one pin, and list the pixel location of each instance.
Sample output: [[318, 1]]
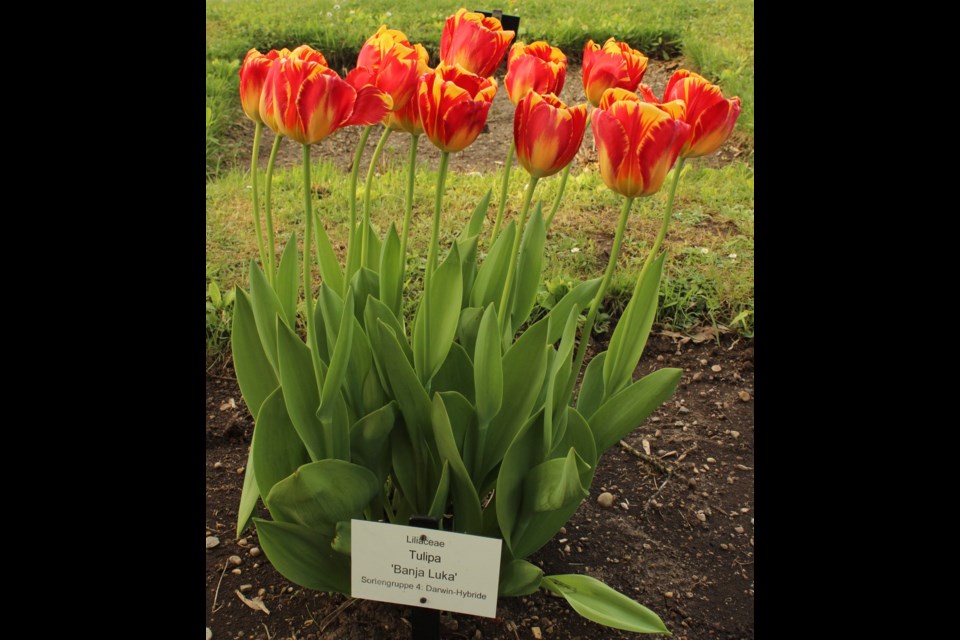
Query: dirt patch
[[486, 155], [679, 537]]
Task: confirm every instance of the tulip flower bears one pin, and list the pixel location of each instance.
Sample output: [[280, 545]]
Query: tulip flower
[[254, 70], [637, 143], [454, 104], [710, 115], [614, 64], [388, 61], [534, 67], [407, 116], [474, 41], [547, 133]]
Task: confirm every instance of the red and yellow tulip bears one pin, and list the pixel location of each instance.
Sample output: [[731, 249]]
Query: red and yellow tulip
[[637, 143], [474, 41], [254, 70], [710, 115], [547, 133], [534, 67], [308, 101], [407, 117], [454, 104], [615, 64], [388, 61]]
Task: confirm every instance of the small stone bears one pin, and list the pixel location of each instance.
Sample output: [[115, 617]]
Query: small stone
[[624, 506], [212, 541], [724, 546], [478, 634], [744, 509], [659, 358], [729, 479], [697, 376], [712, 460], [236, 572], [668, 594], [240, 470], [536, 633], [218, 465], [605, 500], [235, 560], [261, 592], [242, 542], [209, 634], [289, 589], [254, 552], [703, 361], [684, 410], [246, 587], [701, 516], [256, 565], [692, 482], [563, 530], [716, 368], [735, 434], [738, 529], [647, 546], [744, 396], [566, 548], [689, 594]]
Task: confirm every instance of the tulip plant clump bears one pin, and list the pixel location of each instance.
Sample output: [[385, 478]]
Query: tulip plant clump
[[467, 412]]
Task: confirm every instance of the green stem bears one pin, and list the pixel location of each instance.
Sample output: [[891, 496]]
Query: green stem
[[668, 212], [254, 171], [435, 234], [408, 202], [503, 192], [367, 189], [563, 184], [595, 305], [271, 274], [352, 199], [308, 236], [504, 316]]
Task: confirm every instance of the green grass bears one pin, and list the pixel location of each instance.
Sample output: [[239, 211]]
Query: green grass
[[223, 109], [708, 279]]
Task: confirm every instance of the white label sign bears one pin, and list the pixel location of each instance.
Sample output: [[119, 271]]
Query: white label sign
[[424, 568]]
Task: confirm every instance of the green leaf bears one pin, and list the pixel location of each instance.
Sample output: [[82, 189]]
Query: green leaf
[[391, 275], [596, 601], [255, 374], [304, 556], [266, 309], [373, 257], [330, 269], [339, 360], [579, 436], [456, 374], [479, 215], [330, 311], [439, 505], [276, 451], [341, 541], [468, 327], [488, 368], [519, 578], [376, 310], [320, 494], [522, 455], [213, 291], [248, 495], [466, 503], [467, 247], [463, 416], [287, 287], [591, 389], [300, 393], [529, 269], [410, 395], [369, 438], [404, 469], [560, 371], [630, 336], [579, 297], [436, 323], [365, 284], [622, 413], [493, 272]]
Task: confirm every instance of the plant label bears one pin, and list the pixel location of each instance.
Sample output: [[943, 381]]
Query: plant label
[[424, 568]]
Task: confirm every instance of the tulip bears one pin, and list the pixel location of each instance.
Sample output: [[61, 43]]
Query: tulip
[[407, 116], [454, 104], [308, 101], [614, 64], [547, 133], [637, 143], [254, 70], [534, 67], [710, 115], [388, 61], [474, 41]]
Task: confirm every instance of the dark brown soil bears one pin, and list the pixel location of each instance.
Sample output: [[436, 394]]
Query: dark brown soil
[[679, 538], [486, 155]]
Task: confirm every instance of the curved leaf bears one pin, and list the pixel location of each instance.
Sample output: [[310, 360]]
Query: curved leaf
[[488, 368], [391, 272], [591, 389], [466, 503], [492, 276], [287, 287], [622, 413], [255, 374], [369, 438], [300, 393], [436, 322], [248, 495], [266, 309], [519, 578], [579, 297], [596, 601], [276, 450], [304, 556], [456, 374], [330, 269], [529, 269]]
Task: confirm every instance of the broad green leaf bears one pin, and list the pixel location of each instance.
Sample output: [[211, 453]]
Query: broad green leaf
[[214, 292], [469, 326], [339, 360], [287, 287], [529, 268], [300, 393], [523, 454], [369, 438], [560, 370], [493, 272], [341, 541], [255, 374], [478, 216], [365, 284], [373, 396], [410, 395], [462, 415], [488, 368], [404, 469], [591, 389], [579, 297], [373, 257], [276, 451], [436, 322], [330, 269], [391, 275], [596, 601], [266, 309], [524, 367], [376, 310], [456, 374], [248, 495], [330, 310], [466, 503], [320, 494], [622, 413], [467, 247], [579, 436], [630, 336], [519, 578], [439, 505], [304, 556]]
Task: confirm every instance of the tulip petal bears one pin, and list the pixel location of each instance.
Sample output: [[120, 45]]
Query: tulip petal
[[612, 147], [324, 104], [713, 127], [462, 123]]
